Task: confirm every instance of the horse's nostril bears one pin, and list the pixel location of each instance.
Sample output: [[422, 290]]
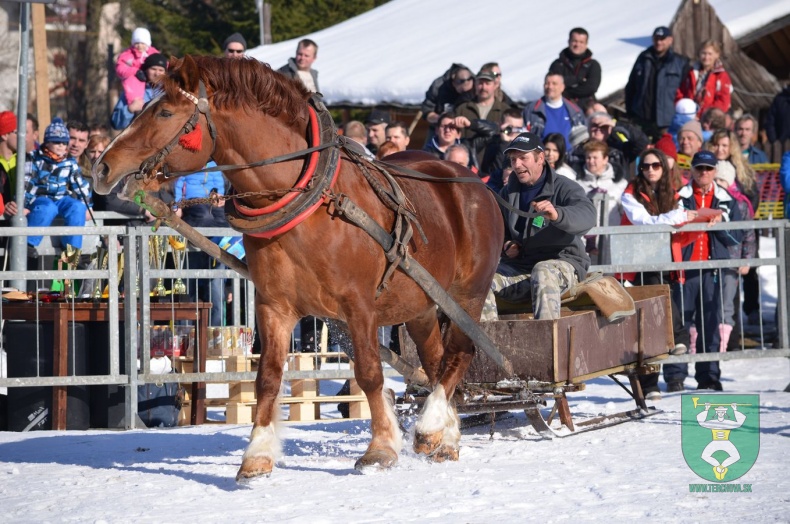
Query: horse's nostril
[[100, 171]]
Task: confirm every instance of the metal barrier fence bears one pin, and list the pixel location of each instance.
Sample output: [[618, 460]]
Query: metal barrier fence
[[137, 286]]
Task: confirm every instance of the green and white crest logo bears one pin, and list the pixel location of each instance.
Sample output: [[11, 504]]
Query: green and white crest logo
[[720, 434]]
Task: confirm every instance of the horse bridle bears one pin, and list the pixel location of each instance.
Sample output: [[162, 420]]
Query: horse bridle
[[148, 166]]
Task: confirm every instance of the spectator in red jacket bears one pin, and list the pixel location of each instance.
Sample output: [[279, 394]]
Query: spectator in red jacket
[[708, 84]]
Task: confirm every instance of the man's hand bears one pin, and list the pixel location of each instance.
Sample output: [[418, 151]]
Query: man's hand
[[511, 249], [462, 121], [10, 209], [734, 406], [707, 406], [547, 209], [714, 220]]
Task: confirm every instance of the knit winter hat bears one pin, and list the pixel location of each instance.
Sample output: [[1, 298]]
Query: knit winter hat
[[578, 135], [694, 126], [666, 145], [56, 132], [686, 106], [156, 59], [725, 171], [141, 35], [235, 37], [7, 122]]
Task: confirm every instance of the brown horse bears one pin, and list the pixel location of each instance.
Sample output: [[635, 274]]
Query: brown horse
[[326, 266]]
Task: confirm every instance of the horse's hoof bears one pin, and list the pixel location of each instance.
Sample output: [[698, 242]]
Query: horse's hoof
[[445, 452], [378, 459], [427, 443], [255, 467]]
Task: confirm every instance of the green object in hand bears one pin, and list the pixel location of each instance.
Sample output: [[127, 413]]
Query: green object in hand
[[537, 221]]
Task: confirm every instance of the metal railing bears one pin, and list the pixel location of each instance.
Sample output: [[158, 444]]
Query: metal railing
[[137, 285]]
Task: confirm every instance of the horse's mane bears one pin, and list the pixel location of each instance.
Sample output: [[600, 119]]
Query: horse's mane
[[247, 84]]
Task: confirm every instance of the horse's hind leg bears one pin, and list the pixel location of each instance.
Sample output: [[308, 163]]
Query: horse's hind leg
[[437, 432], [386, 443], [264, 447]]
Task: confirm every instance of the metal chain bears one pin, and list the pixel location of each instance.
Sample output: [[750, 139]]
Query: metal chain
[[215, 198]]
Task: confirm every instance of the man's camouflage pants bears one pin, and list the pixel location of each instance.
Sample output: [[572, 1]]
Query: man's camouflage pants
[[544, 285]]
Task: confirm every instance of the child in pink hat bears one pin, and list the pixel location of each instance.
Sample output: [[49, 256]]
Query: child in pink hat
[[130, 61]]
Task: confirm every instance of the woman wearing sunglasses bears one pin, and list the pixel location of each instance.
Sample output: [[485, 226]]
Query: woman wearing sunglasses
[[650, 198]]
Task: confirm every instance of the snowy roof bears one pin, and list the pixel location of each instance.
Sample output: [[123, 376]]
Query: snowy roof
[[393, 52]]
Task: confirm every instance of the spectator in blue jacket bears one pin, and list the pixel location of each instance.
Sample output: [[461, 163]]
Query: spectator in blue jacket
[[553, 113], [204, 184], [55, 187], [784, 177]]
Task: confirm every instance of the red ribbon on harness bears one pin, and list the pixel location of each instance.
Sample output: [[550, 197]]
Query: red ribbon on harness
[[192, 141]]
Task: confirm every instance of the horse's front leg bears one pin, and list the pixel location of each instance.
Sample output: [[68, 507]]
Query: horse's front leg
[[386, 443], [264, 448]]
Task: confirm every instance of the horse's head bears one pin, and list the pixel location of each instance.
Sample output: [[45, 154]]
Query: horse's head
[[171, 134]]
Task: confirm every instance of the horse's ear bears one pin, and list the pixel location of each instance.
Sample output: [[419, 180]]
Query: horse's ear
[[185, 72]]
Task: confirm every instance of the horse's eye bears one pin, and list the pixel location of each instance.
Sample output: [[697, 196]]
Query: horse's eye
[[164, 113]]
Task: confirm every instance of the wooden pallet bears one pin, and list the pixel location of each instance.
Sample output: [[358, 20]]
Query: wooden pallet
[[304, 402]]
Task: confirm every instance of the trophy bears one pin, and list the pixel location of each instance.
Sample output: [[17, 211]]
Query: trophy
[[102, 261], [156, 256], [70, 257], [178, 247]]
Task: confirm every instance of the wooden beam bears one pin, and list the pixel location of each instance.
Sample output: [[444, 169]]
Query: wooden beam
[[41, 64]]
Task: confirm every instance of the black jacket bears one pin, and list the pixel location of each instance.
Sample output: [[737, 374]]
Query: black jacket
[[441, 96], [582, 75], [777, 123], [558, 240], [650, 91]]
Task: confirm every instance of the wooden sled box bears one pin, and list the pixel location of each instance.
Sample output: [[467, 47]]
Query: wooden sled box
[[577, 347]]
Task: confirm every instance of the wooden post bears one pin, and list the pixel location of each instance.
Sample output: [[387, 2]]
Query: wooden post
[[41, 64]]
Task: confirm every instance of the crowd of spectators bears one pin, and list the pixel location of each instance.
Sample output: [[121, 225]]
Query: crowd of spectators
[[643, 167]]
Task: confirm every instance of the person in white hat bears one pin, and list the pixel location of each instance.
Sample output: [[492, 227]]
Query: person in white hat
[[131, 60]]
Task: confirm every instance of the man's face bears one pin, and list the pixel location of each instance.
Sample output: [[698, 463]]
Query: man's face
[[11, 140], [78, 141], [446, 132], [596, 162], [485, 89], [704, 176], [600, 129], [397, 136], [526, 167], [31, 137], [458, 156], [516, 126], [305, 56], [689, 143], [234, 50], [376, 134], [154, 73], [553, 87], [577, 43], [745, 132], [662, 45]]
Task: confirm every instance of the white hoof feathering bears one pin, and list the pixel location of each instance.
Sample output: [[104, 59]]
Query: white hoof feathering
[[263, 442], [397, 437], [439, 415]]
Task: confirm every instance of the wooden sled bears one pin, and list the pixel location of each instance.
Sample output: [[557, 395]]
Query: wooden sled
[[552, 358]]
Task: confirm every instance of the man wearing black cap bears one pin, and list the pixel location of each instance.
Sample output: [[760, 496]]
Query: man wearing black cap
[[699, 290], [655, 77], [152, 70], [376, 124], [234, 46], [543, 254], [478, 119]]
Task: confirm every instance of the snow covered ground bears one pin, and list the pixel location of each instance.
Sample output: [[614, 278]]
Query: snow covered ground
[[630, 471]]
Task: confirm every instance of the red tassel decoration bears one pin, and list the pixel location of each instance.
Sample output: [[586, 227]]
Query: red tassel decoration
[[192, 141]]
